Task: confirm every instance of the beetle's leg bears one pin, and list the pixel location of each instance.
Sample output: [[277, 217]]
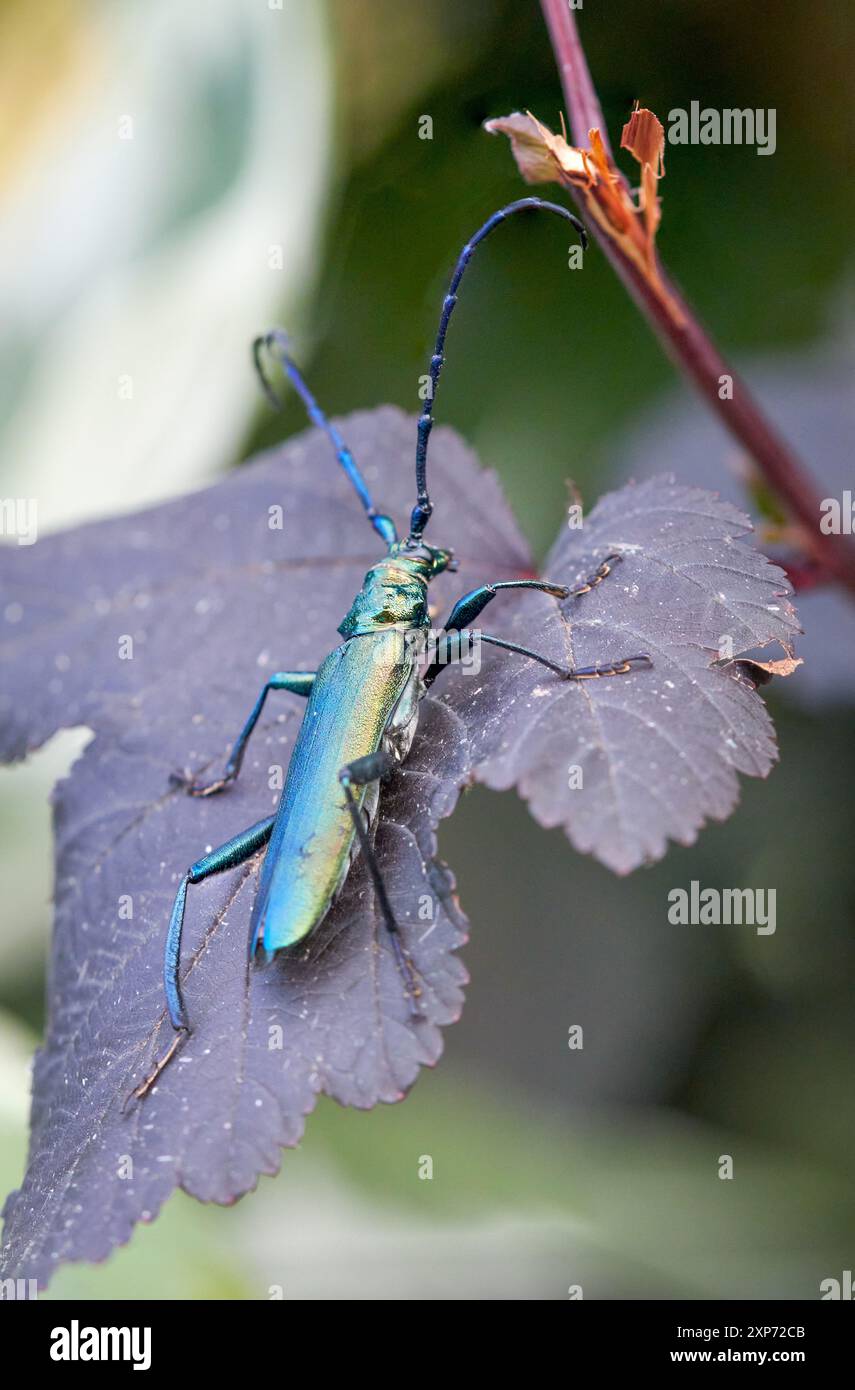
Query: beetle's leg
[[298, 682], [603, 569], [450, 648], [467, 608], [622, 667], [228, 856], [358, 774]]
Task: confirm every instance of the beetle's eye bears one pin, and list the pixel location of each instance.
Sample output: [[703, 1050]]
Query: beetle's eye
[[443, 560]]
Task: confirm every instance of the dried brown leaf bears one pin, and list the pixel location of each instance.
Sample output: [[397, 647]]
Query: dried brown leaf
[[545, 157]]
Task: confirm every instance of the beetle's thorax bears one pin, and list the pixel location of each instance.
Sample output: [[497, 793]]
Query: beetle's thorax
[[394, 591]]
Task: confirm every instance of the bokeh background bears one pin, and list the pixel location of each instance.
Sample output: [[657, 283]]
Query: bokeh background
[[174, 179]]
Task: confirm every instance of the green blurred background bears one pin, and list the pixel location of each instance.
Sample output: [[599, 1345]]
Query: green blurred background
[[274, 173]]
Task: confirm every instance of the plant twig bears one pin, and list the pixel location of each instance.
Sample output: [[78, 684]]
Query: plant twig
[[685, 339], [583, 104]]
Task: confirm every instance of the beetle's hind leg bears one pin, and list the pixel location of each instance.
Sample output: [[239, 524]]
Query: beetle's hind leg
[[228, 856], [357, 774]]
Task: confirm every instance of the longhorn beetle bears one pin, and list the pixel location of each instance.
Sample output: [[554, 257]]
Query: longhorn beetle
[[363, 703]]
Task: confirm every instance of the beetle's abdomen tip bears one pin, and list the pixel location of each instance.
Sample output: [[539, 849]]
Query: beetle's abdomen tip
[[270, 946]]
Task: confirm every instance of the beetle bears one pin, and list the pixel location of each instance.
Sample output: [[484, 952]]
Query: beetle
[[363, 703]]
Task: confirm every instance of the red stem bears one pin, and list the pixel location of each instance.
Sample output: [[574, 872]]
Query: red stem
[[687, 343], [583, 104]]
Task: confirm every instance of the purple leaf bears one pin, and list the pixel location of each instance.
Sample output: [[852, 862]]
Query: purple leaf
[[214, 600], [626, 763]]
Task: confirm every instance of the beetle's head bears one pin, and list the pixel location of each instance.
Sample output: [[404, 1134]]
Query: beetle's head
[[428, 560]]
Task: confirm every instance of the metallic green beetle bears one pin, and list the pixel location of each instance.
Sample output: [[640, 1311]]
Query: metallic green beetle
[[363, 706]]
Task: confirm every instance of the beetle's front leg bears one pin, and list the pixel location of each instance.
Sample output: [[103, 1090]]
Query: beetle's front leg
[[298, 682], [357, 774], [467, 608]]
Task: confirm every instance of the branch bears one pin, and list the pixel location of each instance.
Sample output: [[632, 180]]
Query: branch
[[583, 104], [683, 336]]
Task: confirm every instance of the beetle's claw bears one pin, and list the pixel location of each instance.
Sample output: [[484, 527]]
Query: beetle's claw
[[184, 782], [414, 993], [141, 1091], [208, 788]]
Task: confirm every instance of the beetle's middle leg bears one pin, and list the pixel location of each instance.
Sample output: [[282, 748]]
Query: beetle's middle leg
[[298, 682], [357, 774], [450, 648], [235, 851]]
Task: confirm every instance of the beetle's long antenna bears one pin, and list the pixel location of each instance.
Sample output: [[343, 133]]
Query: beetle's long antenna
[[423, 508], [276, 343]]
